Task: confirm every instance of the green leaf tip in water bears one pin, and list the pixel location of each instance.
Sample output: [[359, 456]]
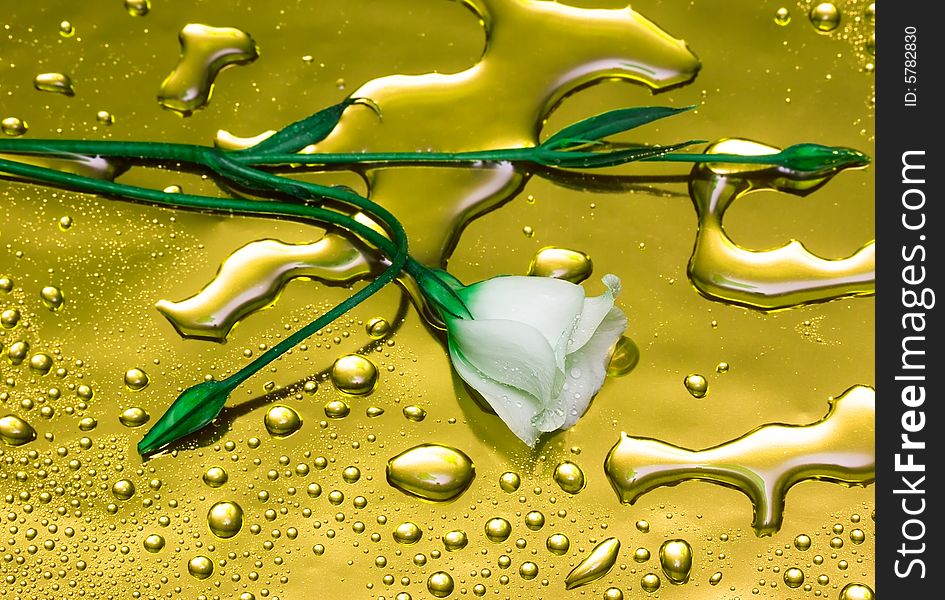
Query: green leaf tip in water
[[596, 128], [307, 131], [818, 160], [194, 409]]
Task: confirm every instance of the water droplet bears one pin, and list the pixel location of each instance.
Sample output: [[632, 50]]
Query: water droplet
[[65, 223], [14, 127], [871, 44], [337, 409], [613, 593], [134, 417], [857, 536], [455, 540], [66, 29], [715, 578], [351, 474], [137, 8], [509, 482], [561, 263], [377, 328], [10, 318], [676, 560], [123, 489], [205, 51], [87, 424], [794, 578], [52, 297], [374, 411], [200, 567], [641, 555], [57, 83], [41, 363], [529, 231], [354, 374], [624, 357], [825, 17], [534, 520], [14, 431], [313, 490], [802, 542], [722, 367], [650, 582], [136, 379], [696, 385], [498, 529], [431, 471], [414, 413], [871, 12], [84, 392], [782, 16], [569, 477], [154, 543], [440, 584], [595, 565], [643, 526], [528, 570], [225, 519], [173, 189], [215, 477], [856, 591], [558, 544], [17, 351], [407, 533], [104, 117], [282, 421]]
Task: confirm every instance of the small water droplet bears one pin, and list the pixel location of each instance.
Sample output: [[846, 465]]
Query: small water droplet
[[782, 16], [641, 555], [200, 567], [650, 582], [528, 570], [225, 519], [52, 297], [10, 318], [282, 421], [407, 533], [528, 231], [173, 189], [624, 356], [722, 367], [354, 374], [66, 29], [56, 83], [715, 578], [414, 413], [871, 44], [534, 520], [6, 284], [440, 584], [676, 560], [569, 477], [561, 263], [377, 328], [802, 542], [41, 363], [558, 543], [313, 490], [14, 127], [104, 117], [825, 17], [455, 540], [794, 578], [14, 431], [154, 543], [215, 477], [136, 379], [857, 536], [123, 489], [337, 409], [431, 471], [498, 529], [65, 223], [856, 591], [643, 526], [696, 385], [17, 351], [87, 424], [374, 411], [134, 417], [351, 474], [613, 593], [138, 8], [509, 482]]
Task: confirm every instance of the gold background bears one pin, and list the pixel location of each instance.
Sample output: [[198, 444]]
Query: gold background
[[118, 259]]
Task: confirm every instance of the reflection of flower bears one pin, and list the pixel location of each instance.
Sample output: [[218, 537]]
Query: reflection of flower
[[535, 348]]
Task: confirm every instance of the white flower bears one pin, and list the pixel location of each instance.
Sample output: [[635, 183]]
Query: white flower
[[535, 348]]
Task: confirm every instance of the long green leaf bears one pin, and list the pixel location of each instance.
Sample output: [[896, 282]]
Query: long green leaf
[[305, 132], [609, 123], [593, 160]]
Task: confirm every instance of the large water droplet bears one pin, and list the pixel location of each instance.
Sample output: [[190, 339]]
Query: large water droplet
[[282, 421], [641, 555], [440, 584], [455, 540], [676, 560], [200, 567], [595, 565], [17, 351], [52, 297], [534, 520], [498, 529], [225, 519], [377, 328], [14, 126], [624, 356], [57, 83], [136, 379], [407, 533], [794, 578], [337, 409], [138, 8], [14, 431], [414, 413], [802, 542], [154, 543], [123, 489], [9, 318], [41, 363], [205, 51], [561, 263], [856, 591], [696, 385], [558, 543], [354, 374], [528, 570], [569, 477], [215, 477], [650, 582], [509, 482], [782, 16], [431, 471], [825, 16], [134, 417]]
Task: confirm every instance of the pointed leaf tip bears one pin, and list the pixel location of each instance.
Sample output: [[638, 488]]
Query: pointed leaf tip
[[609, 123], [194, 409]]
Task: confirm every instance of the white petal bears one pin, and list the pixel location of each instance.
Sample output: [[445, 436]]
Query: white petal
[[586, 369], [513, 354], [549, 305], [514, 407], [594, 311]]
